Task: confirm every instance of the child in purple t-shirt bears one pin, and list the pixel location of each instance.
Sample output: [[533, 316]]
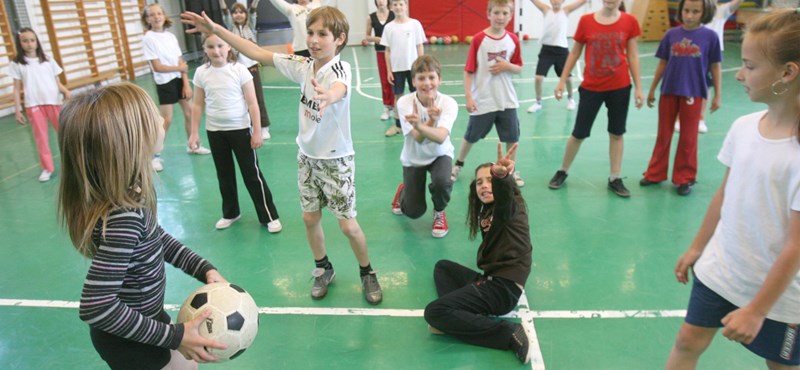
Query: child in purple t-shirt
[[687, 54]]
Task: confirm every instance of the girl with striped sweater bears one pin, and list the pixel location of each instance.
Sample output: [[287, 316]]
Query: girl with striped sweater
[[107, 202]]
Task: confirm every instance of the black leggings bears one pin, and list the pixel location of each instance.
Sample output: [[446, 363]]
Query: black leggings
[[466, 298]]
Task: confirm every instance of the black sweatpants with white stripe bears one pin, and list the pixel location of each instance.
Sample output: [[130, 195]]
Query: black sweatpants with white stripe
[[224, 146]]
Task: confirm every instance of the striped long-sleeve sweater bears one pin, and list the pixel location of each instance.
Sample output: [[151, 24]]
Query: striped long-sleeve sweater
[[124, 289]]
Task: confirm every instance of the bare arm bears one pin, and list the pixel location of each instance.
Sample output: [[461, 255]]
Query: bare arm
[[249, 91], [471, 106], [707, 228], [651, 96], [283, 6], [389, 74], [634, 65], [420, 50], [716, 74], [198, 107], [541, 5], [569, 8], [334, 94], [426, 130], [735, 4], [18, 102], [203, 23], [187, 86], [572, 59], [157, 66]]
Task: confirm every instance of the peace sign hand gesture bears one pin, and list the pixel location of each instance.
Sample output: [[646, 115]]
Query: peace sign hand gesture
[[413, 118], [504, 164]]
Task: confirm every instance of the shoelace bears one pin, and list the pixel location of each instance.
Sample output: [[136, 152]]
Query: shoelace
[[440, 221]]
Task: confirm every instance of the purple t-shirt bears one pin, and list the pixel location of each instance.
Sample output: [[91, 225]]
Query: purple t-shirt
[[689, 55]]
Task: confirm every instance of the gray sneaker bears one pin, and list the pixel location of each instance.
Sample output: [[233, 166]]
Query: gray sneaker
[[322, 278], [372, 290]]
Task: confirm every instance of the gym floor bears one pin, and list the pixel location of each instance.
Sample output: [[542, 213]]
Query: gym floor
[[601, 295]]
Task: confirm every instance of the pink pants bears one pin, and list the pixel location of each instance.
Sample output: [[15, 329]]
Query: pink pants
[[684, 170], [386, 89], [38, 116]]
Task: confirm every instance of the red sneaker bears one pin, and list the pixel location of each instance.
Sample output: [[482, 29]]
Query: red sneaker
[[439, 224], [396, 202]]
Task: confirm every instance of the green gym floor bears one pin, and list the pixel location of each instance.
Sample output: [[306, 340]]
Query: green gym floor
[[602, 294]]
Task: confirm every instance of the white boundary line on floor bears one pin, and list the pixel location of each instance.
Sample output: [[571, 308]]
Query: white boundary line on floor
[[522, 312]]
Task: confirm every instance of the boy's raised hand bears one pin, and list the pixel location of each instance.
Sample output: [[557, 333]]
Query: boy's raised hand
[[504, 164], [201, 23], [324, 97], [413, 118]]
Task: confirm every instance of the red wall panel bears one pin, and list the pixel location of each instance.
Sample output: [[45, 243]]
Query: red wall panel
[[451, 17]]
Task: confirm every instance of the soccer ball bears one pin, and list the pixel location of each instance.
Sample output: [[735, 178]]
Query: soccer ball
[[233, 320]]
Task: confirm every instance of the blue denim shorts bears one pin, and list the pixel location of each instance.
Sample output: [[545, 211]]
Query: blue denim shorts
[[777, 341]]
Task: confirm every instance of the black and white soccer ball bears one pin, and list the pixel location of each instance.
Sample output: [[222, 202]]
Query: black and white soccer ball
[[233, 320]]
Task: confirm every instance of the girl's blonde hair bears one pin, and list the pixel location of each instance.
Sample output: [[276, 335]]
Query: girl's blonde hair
[[146, 12], [106, 137], [782, 26], [779, 39]]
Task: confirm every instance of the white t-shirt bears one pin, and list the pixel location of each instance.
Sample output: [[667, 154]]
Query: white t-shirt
[[38, 81], [226, 108], [402, 40], [555, 28], [763, 188], [325, 137], [297, 15], [164, 47], [416, 154], [718, 23], [492, 93]]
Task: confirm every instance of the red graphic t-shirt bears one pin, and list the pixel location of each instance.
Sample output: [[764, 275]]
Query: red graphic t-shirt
[[606, 51]]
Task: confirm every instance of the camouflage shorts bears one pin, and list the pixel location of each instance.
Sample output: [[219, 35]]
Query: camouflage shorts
[[327, 183]]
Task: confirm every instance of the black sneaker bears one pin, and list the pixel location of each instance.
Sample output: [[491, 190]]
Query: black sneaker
[[520, 344], [619, 188], [645, 182], [558, 180], [685, 189]]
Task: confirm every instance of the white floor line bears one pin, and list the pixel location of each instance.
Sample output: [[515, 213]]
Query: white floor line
[[358, 79], [390, 312]]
